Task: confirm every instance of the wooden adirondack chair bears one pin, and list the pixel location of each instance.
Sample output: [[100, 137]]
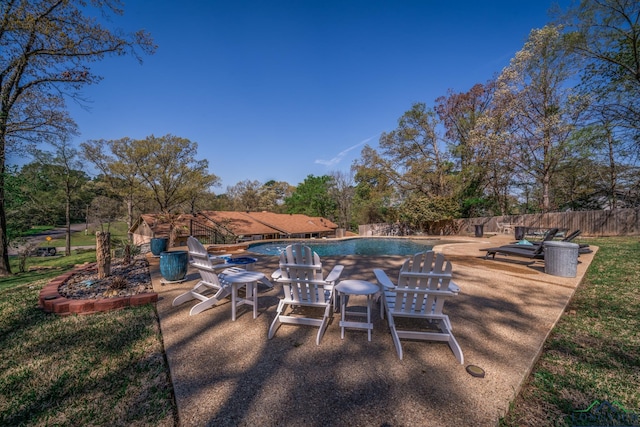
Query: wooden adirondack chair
[[300, 273], [212, 286], [424, 284]]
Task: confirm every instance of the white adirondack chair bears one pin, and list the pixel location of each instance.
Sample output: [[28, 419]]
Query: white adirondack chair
[[424, 284], [301, 276], [210, 283]]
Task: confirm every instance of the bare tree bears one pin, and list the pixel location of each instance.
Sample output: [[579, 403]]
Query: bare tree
[[46, 46], [343, 191], [543, 110]]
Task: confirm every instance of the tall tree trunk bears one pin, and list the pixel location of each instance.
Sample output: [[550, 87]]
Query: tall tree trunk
[[127, 254], [613, 198], [5, 267], [129, 219], [67, 242], [103, 253]]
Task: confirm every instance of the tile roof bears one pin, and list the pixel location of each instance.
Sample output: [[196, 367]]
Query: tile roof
[[160, 225], [243, 223], [294, 223], [239, 223]]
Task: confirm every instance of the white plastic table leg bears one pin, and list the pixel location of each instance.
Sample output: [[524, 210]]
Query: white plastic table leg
[[251, 298]]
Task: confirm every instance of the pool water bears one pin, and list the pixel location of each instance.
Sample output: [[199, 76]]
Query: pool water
[[359, 246]]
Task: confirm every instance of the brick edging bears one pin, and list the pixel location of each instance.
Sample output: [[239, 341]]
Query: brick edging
[[52, 302]]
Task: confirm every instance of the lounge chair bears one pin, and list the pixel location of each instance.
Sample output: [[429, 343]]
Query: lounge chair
[[424, 284], [534, 251], [548, 236], [583, 247], [304, 288], [525, 251], [569, 238]]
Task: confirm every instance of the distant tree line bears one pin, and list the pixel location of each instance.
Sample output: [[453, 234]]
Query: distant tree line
[[557, 129]]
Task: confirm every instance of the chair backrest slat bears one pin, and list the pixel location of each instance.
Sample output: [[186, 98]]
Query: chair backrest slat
[[423, 272], [301, 274], [201, 261]]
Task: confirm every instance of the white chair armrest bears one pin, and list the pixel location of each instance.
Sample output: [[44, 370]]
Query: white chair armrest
[[430, 274], [383, 279], [335, 273], [276, 274], [453, 287]]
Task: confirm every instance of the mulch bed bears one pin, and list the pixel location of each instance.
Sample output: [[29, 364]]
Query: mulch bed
[[86, 284], [82, 292]]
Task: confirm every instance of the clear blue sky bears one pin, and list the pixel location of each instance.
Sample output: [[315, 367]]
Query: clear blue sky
[[283, 89]]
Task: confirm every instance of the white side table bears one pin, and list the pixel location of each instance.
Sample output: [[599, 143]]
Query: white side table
[[356, 287], [249, 279]]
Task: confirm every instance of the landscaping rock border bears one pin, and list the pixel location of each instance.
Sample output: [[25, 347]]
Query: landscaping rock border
[[52, 302]]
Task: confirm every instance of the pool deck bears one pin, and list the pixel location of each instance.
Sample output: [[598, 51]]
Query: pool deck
[[228, 373]]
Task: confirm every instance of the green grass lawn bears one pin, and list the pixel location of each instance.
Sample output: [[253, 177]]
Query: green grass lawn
[[593, 354], [45, 268], [101, 369], [37, 229], [118, 230]]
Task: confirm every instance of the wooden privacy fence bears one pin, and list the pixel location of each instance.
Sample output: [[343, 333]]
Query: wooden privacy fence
[[617, 222]]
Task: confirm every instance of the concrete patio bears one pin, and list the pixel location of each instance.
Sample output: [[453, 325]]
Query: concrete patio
[[228, 373]]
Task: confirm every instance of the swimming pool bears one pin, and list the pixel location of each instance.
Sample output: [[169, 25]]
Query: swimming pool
[[359, 246]]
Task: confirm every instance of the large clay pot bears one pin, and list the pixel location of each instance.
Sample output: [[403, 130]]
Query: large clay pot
[[173, 265], [158, 244]]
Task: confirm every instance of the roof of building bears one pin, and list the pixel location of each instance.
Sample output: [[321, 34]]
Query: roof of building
[[294, 223], [160, 224], [240, 223]]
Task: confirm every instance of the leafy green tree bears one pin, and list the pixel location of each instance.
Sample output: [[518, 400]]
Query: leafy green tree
[[417, 211], [245, 195], [168, 167], [273, 194], [18, 221], [216, 202], [119, 173], [68, 182], [46, 48], [411, 156], [164, 169], [41, 185], [375, 197], [411, 163], [39, 194], [312, 197]]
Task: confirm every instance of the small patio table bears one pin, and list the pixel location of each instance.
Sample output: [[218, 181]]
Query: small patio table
[[356, 287], [250, 280]]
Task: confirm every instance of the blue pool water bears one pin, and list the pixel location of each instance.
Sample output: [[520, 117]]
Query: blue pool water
[[360, 246]]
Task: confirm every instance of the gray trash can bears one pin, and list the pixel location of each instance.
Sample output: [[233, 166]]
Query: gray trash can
[[561, 258], [479, 230]]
